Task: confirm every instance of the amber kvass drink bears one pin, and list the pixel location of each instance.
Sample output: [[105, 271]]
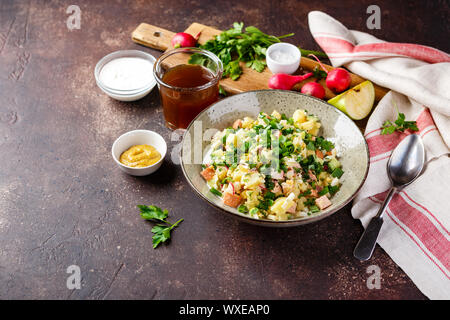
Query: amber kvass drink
[[186, 89], [181, 107]]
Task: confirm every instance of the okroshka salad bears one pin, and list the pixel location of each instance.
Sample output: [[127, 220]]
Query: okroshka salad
[[274, 167]]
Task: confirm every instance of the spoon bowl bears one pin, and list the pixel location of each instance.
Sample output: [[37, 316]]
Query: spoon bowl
[[406, 161]]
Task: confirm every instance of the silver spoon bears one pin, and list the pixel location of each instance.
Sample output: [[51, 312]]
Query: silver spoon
[[404, 166]]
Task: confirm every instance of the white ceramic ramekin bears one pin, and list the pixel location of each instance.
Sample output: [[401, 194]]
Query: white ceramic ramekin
[[137, 137], [288, 67], [125, 95]]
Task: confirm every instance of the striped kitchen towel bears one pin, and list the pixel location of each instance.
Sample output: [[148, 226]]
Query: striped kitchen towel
[[416, 226]]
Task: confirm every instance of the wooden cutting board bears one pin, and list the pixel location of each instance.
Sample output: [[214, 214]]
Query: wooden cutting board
[[160, 39]]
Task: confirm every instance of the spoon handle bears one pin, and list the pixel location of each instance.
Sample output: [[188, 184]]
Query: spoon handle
[[366, 244]]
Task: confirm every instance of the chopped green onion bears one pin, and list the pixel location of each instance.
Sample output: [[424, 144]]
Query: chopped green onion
[[337, 173], [216, 192], [242, 209]]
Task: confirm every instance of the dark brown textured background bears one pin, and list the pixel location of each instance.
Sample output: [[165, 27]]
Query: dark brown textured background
[[63, 201]]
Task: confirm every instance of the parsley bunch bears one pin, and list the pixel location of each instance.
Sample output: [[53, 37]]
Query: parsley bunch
[[236, 45], [161, 231]]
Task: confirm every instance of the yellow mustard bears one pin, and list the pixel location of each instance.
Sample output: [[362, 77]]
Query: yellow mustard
[[140, 156]]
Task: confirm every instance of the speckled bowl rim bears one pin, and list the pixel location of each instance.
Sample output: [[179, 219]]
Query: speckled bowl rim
[[267, 222]]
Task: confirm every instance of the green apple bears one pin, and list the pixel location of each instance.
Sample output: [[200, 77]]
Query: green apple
[[357, 101]]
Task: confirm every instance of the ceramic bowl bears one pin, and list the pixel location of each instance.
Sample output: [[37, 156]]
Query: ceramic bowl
[[288, 67], [127, 94], [350, 145], [137, 137]]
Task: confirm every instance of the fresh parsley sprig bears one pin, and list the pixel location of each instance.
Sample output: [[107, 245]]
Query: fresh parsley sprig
[[399, 125], [162, 232]]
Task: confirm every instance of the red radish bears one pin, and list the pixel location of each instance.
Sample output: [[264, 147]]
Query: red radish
[[183, 39], [313, 89], [284, 81], [337, 79]]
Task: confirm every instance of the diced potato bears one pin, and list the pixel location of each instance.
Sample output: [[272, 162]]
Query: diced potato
[[299, 116], [247, 123], [297, 142], [239, 172], [276, 115], [315, 130], [323, 175], [300, 205], [231, 140], [213, 182], [252, 180], [282, 216], [302, 187], [288, 187], [221, 172], [334, 182], [251, 199], [308, 125], [281, 205]]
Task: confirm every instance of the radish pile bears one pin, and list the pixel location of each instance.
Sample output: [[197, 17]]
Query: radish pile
[[337, 80]]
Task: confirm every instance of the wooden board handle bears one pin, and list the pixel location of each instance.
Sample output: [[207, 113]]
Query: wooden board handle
[[152, 36]]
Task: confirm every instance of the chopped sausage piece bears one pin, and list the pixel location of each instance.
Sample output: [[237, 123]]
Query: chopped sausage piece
[[323, 202], [290, 174], [294, 164], [312, 176], [277, 188], [208, 173], [232, 200], [237, 124], [292, 208], [319, 154], [314, 193], [277, 175]]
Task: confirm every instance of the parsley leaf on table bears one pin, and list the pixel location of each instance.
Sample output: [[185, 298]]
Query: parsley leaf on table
[[161, 232], [153, 212]]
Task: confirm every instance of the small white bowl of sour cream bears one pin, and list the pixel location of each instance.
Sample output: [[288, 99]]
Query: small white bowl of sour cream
[[283, 57], [126, 75]]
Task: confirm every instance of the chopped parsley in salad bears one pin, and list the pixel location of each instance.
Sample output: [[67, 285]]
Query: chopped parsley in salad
[[274, 167]]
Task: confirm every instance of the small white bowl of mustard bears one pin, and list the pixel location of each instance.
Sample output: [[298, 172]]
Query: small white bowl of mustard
[[139, 152]]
